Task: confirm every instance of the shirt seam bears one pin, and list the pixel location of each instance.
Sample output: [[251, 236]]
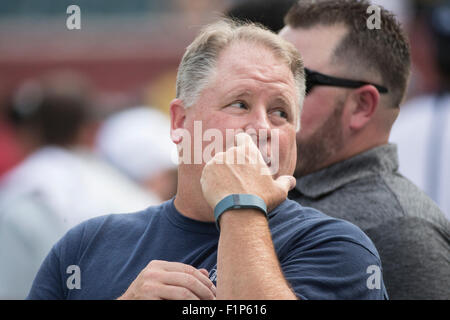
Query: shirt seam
[[392, 193]]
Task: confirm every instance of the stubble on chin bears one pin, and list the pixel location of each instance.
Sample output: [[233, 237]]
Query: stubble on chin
[[315, 151]]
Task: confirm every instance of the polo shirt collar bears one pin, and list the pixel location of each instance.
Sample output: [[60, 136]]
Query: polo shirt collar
[[379, 159]]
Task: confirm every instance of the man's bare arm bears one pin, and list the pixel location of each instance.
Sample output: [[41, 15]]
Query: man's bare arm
[[247, 265]]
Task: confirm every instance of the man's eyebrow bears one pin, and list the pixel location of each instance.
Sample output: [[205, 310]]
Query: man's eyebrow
[[243, 94], [282, 99], [284, 102], [286, 105], [238, 94]]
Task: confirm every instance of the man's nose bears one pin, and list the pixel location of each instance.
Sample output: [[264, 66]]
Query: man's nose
[[259, 127], [258, 120]]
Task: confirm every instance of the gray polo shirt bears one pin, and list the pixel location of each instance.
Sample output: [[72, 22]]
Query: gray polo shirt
[[411, 234]]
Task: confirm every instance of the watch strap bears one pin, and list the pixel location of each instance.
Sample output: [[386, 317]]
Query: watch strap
[[238, 201]]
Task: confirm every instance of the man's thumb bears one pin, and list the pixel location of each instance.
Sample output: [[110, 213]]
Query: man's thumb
[[286, 182]]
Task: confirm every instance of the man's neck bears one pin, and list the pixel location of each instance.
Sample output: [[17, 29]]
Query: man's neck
[[348, 152], [189, 200]]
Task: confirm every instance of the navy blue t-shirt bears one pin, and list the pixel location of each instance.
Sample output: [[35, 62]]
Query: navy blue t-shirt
[[321, 257]]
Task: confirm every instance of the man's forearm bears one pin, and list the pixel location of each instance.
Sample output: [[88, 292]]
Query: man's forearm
[[248, 267]]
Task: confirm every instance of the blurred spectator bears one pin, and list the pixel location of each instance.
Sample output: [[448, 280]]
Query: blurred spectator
[[137, 141], [422, 130], [10, 153], [59, 184]]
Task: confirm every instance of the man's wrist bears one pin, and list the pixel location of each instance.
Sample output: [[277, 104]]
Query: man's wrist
[[237, 202]]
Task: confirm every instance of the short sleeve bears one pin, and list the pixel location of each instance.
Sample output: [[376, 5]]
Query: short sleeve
[[47, 284], [50, 281]]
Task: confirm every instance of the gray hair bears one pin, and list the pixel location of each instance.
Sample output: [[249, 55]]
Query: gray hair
[[199, 61]]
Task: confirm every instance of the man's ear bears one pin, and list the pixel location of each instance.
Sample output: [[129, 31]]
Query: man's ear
[[365, 103], [177, 117]]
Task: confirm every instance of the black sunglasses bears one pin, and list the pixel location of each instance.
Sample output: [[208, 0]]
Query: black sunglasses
[[314, 78]]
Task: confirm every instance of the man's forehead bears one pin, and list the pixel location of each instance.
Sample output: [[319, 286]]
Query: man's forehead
[[243, 55], [250, 62]]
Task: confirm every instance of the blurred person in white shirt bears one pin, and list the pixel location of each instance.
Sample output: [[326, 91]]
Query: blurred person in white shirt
[[59, 184], [137, 142]]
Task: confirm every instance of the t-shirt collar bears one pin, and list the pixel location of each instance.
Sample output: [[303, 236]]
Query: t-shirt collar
[[188, 224]]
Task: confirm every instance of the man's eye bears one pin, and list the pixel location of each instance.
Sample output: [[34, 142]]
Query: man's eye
[[281, 114], [239, 104]]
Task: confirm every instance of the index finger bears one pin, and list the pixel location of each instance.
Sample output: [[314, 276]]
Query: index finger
[[243, 139]]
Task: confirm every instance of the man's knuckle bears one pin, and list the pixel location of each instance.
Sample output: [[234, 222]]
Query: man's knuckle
[[149, 286], [154, 263], [189, 270], [191, 281], [152, 274], [185, 293]]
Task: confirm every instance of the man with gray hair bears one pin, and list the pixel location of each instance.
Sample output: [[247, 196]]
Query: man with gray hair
[[230, 232]]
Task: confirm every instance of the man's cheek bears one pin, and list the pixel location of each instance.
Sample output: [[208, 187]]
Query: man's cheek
[[290, 155], [282, 155]]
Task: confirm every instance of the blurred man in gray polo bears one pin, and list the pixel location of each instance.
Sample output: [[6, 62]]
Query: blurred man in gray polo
[[356, 80]]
